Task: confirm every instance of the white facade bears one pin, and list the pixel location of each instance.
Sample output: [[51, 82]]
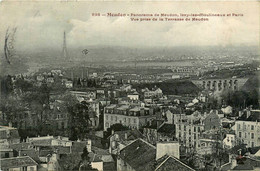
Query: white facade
[[248, 132], [229, 141]]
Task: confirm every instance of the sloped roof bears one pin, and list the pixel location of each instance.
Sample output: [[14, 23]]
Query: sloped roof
[[19, 146], [140, 155], [170, 163], [32, 153], [254, 150], [15, 162], [131, 134], [167, 128], [254, 116]]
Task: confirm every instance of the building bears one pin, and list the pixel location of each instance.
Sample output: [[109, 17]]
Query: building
[[9, 134], [127, 115], [166, 132], [24, 163], [119, 139], [133, 96], [247, 128], [155, 92], [189, 129], [150, 131], [140, 155], [85, 95], [229, 141], [212, 121]]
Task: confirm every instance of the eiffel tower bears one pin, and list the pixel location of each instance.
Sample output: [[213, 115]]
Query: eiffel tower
[[64, 49]]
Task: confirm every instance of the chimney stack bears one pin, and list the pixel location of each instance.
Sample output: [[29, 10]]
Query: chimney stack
[[126, 136], [240, 113], [248, 113], [10, 124], [89, 145]]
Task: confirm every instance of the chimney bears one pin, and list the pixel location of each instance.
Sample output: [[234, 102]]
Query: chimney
[[240, 113], [89, 145], [233, 161], [112, 132], [27, 139], [170, 148], [10, 124], [248, 113]]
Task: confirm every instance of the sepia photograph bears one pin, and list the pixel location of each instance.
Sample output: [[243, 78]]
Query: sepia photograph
[[129, 85]]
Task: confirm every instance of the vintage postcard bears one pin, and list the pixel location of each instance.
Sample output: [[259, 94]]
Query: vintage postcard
[[129, 85]]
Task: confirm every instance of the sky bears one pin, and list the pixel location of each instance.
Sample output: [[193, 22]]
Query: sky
[[41, 24]]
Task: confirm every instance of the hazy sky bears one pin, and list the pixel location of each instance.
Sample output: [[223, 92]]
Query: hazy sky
[[41, 24]]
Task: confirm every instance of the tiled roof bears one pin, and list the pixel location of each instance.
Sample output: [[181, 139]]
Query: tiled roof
[[131, 134], [46, 142], [254, 116], [170, 163], [254, 150], [32, 153], [152, 125], [17, 162], [167, 128], [20, 146], [139, 154]]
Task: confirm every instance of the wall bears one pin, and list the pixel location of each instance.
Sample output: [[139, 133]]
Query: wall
[[169, 148], [97, 165]]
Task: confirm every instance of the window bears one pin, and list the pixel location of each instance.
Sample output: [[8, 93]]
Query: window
[[239, 126], [252, 144], [179, 127], [198, 129], [184, 127], [106, 117], [252, 127], [239, 134], [6, 155], [194, 136], [134, 120], [194, 129], [252, 135]]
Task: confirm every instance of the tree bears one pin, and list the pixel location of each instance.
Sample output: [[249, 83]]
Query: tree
[[79, 118], [70, 161]]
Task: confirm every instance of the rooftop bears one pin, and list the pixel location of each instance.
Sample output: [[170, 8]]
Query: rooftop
[[171, 163], [167, 128], [139, 154], [15, 162]]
